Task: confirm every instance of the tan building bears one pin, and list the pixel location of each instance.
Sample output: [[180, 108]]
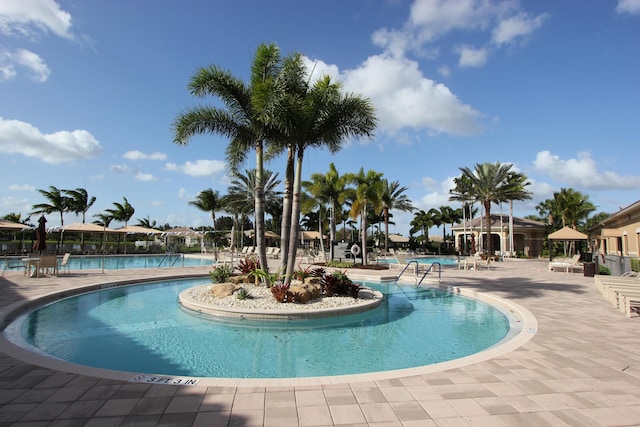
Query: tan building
[[528, 235], [617, 239]]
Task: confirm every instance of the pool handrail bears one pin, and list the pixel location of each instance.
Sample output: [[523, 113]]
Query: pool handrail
[[418, 269]]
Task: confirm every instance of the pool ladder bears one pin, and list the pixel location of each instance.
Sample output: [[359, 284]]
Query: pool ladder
[[169, 263], [427, 271]]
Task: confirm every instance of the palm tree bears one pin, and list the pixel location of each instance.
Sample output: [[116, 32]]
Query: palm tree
[[393, 198], [437, 219], [246, 120], [121, 212], [79, 201], [329, 190], [240, 198], [422, 221], [492, 183], [366, 195], [146, 222], [103, 219], [207, 201], [57, 203], [517, 183], [324, 117]]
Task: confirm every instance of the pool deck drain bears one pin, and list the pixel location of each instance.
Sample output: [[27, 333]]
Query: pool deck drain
[[581, 367]]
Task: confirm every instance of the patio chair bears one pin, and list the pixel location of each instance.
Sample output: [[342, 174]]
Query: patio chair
[[567, 265], [64, 263], [49, 263]]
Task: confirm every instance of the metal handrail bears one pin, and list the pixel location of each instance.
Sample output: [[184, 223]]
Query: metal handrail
[[417, 270]]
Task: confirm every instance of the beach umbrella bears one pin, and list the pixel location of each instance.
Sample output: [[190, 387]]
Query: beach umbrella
[[41, 235]]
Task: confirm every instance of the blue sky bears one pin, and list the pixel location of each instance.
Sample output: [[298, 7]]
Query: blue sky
[[89, 89]]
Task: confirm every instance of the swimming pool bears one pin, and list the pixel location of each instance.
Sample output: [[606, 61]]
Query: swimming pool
[[142, 329], [426, 259], [119, 262]]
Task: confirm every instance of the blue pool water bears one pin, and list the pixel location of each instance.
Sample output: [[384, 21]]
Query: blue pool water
[[142, 329], [428, 259], [116, 262]]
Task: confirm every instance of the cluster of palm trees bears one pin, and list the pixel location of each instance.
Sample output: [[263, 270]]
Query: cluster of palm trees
[[280, 110]]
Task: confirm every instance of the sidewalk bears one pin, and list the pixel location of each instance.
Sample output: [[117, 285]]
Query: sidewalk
[[581, 368]]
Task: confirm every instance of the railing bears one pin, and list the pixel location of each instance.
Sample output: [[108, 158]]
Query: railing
[[170, 264], [427, 271]]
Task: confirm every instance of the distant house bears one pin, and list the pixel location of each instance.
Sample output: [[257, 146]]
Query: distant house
[[617, 239], [528, 235]]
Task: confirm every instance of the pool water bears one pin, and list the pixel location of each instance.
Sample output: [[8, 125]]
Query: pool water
[[117, 262], [428, 259], [142, 329]]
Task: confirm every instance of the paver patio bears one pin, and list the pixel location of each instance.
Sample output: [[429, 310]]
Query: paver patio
[[581, 368]]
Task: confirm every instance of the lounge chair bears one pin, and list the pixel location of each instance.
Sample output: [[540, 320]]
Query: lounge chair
[[566, 265], [467, 263]]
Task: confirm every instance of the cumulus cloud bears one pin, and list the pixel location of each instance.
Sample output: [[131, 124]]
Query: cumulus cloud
[[147, 177], [582, 172], [22, 187], [139, 155], [198, 168], [516, 27], [58, 147], [631, 7], [31, 61], [120, 169], [405, 98], [24, 17], [471, 57]]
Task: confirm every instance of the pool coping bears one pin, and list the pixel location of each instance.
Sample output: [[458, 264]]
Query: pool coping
[[527, 322]]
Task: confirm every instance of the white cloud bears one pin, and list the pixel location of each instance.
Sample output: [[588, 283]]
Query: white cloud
[[631, 7], [404, 98], [23, 187], [516, 27], [23, 16], [582, 172], [444, 71], [198, 168], [58, 147], [120, 169], [471, 57], [147, 177], [139, 155], [24, 58], [13, 204]]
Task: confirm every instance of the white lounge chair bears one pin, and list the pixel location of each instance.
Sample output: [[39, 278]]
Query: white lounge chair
[[566, 265]]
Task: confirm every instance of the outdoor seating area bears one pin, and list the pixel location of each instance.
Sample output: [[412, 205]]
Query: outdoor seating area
[[623, 292]]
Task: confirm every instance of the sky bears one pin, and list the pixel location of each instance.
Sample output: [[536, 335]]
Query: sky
[[89, 91]]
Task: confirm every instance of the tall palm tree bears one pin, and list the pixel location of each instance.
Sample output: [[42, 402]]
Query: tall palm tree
[[58, 203], [393, 197], [146, 222], [462, 193], [79, 201], [437, 219], [121, 211], [324, 117], [329, 189], [517, 182], [240, 198], [103, 219], [366, 195], [247, 119], [422, 221], [492, 183], [207, 201]]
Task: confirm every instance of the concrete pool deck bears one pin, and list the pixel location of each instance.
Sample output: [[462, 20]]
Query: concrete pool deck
[[581, 368]]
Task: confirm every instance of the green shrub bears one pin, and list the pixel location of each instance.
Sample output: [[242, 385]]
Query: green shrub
[[635, 264], [243, 294], [604, 270], [221, 273]]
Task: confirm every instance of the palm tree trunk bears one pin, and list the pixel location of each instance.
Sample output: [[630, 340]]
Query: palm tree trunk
[[363, 251], [295, 219], [285, 227], [386, 231], [487, 214], [259, 216]]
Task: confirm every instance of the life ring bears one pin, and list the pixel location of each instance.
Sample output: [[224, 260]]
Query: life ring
[[355, 250]]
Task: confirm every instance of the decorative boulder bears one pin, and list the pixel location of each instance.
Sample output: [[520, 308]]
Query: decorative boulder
[[305, 292], [222, 290]]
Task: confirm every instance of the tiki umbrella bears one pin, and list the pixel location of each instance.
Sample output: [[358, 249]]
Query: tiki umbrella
[[41, 235]]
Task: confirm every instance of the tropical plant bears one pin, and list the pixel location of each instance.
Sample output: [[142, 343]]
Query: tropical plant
[[221, 273], [366, 195], [321, 117], [268, 278], [243, 294], [493, 183], [281, 293], [58, 203], [248, 265], [121, 211], [247, 119], [79, 201], [329, 189], [422, 221], [393, 197], [207, 201]]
